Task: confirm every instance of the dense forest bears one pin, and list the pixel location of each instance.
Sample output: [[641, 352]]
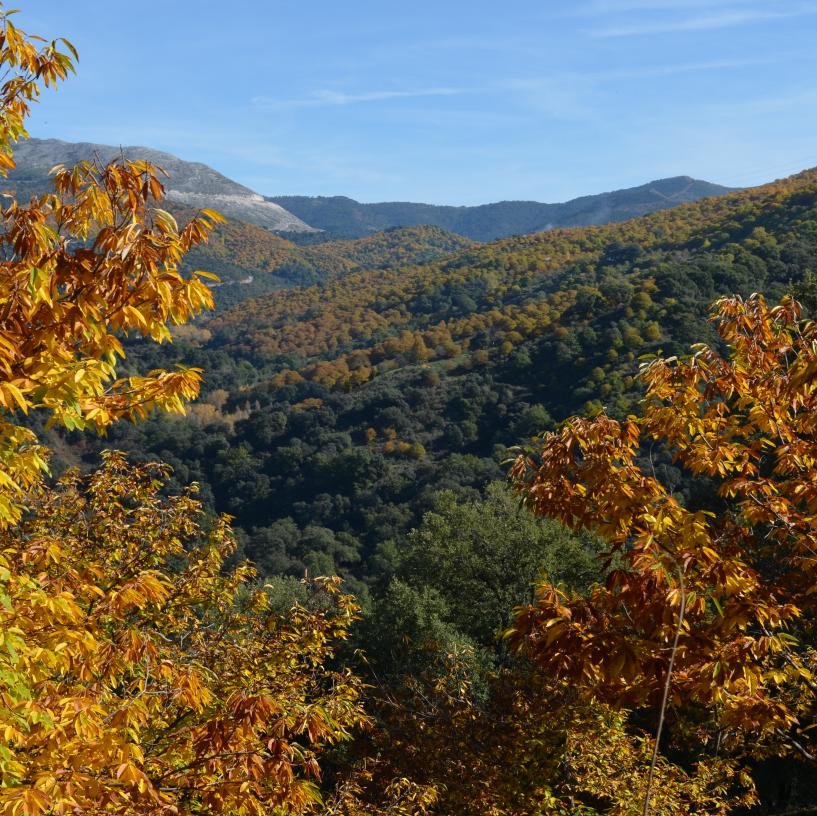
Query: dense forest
[[333, 414], [250, 260], [362, 426]]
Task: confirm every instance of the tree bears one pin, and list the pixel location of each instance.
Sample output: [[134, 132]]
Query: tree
[[493, 736], [92, 260], [483, 557], [712, 606], [519, 745], [137, 675]]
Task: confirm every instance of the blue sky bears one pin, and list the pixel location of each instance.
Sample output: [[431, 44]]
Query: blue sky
[[445, 101]]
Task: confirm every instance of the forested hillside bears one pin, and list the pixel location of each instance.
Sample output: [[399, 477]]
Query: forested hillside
[[369, 585], [334, 414], [346, 217], [251, 260], [363, 427]]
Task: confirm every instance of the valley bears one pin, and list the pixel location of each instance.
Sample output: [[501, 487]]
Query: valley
[[333, 413]]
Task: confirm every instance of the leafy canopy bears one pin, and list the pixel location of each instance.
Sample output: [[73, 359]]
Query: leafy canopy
[[732, 576], [92, 260], [138, 675]]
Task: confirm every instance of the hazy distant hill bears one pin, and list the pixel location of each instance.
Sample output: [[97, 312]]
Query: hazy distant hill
[[196, 185], [346, 217], [191, 184]]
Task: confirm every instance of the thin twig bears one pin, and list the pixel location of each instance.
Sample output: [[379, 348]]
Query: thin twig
[[663, 710]]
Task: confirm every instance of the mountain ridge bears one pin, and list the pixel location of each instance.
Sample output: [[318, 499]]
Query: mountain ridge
[[346, 217], [196, 185], [190, 184]]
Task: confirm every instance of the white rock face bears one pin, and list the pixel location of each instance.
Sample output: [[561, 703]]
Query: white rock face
[[190, 183], [252, 208]]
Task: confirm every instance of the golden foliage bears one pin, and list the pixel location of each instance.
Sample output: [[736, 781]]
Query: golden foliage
[[137, 675], [741, 565], [522, 745], [80, 267]]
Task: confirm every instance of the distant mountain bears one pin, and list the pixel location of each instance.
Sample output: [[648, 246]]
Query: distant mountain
[[196, 185], [349, 218], [190, 183]]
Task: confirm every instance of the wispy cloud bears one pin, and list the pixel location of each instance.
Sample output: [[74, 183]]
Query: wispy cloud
[[804, 100], [603, 7], [702, 22], [329, 98], [571, 94], [657, 71]]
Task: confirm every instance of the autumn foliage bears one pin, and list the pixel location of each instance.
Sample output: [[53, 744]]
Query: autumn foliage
[[81, 266], [139, 675], [527, 745], [145, 669], [730, 571]]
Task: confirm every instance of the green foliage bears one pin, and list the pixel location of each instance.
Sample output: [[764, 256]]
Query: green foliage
[[484, 556], [347, 406], [453, 584]]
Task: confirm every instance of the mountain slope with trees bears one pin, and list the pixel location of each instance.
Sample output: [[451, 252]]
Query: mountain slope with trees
[[246, 251], [145, 669], [343, 216], [335, 413], [262, 247], [250, 260], [363, 426]]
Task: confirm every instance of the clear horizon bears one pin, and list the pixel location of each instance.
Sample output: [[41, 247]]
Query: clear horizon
[[447, 104]]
